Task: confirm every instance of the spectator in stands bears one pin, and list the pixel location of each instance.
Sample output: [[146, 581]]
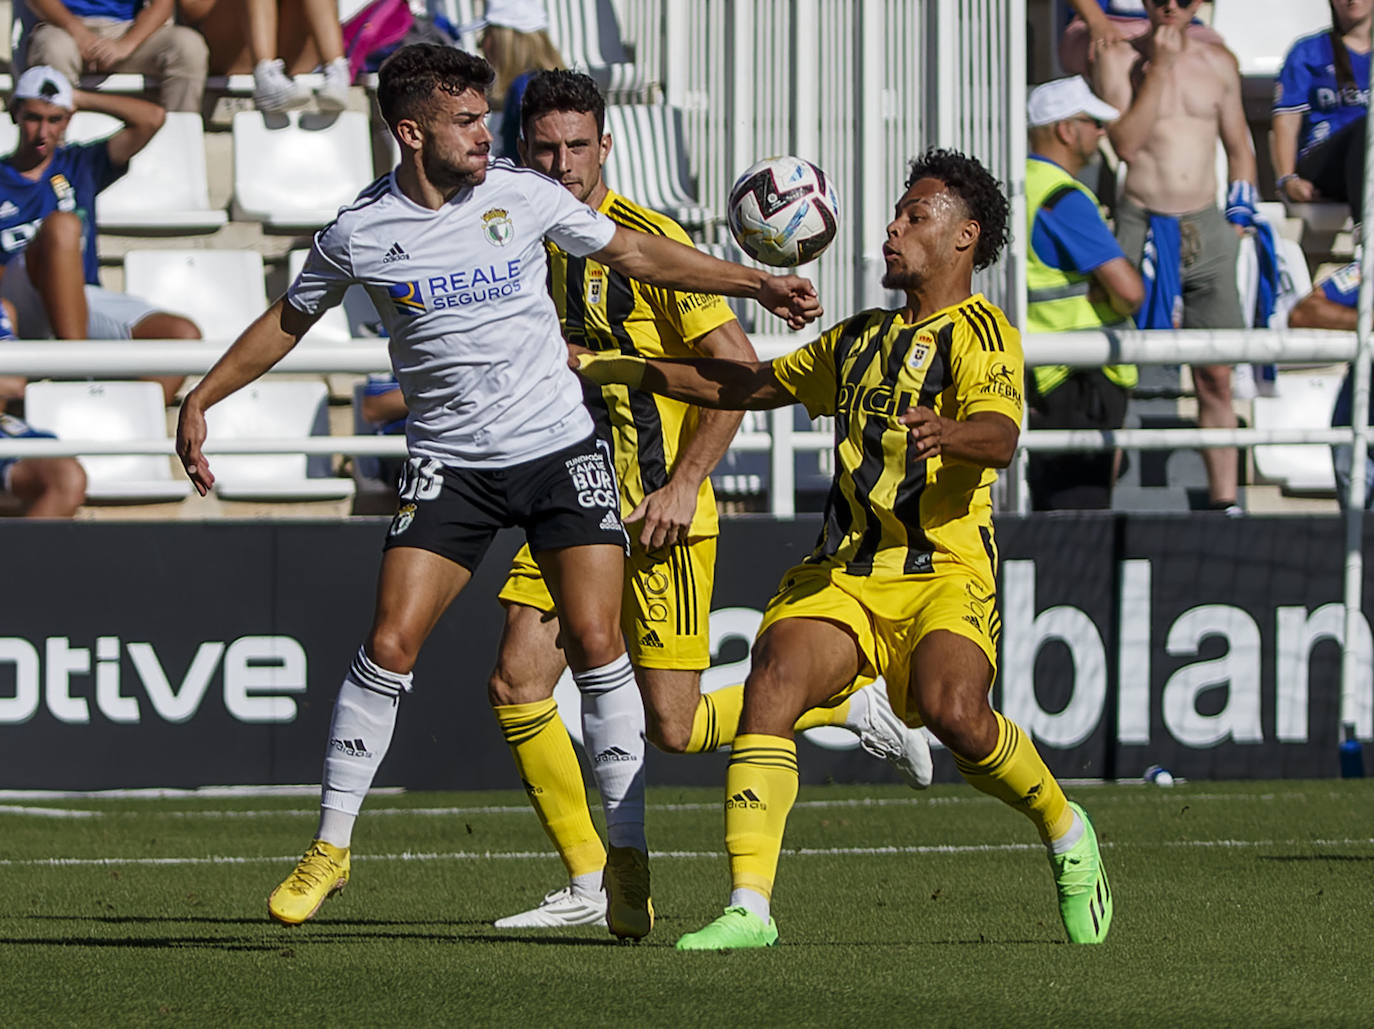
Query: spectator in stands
[[48, 266], [1103, 22], [515, 41], [1331, 305], [1320, 103], [1077, 277], [384, 408], [1179, 95], [46, 487], [104, 36], [273, 89]]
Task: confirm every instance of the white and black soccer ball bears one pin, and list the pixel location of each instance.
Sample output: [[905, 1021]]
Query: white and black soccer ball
[[783, 211]]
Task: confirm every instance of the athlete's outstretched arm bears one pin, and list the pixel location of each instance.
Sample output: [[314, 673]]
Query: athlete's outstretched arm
[[667, 513], [672, 265], [705, 381], [258, 348]]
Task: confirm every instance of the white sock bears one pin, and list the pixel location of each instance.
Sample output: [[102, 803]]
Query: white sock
[[359, 735], [1066, 842], [613, 733], [588, 884], [752, 901]]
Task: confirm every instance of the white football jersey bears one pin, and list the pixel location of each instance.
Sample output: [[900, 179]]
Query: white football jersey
[[462, 291]]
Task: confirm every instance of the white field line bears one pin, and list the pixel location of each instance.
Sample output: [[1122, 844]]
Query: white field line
[[506, 809], [49, 812], [540, 855]]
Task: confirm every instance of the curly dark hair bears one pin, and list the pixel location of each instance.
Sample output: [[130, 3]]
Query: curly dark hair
[[408, 78], [560, 90], [982, 195]]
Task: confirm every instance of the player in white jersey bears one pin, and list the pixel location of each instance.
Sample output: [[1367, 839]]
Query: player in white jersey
[[451, 249]]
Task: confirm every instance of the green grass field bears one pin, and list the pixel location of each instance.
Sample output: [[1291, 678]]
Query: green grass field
[[1239, 904]]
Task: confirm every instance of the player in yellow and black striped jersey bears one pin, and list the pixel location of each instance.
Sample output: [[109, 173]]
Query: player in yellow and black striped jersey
[[927, 402], [663, 452]]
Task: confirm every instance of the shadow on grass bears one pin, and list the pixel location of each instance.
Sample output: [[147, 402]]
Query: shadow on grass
[[1316, 857]]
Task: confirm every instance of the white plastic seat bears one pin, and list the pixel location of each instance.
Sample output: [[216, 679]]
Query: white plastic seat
[[648, 161], [110, 411], [165, 188], [1259, 32], [296, 170], [587, 35], [267, 409], [222, 291], [1305, 398]]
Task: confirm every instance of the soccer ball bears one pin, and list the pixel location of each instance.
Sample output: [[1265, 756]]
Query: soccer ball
[[783, 211]]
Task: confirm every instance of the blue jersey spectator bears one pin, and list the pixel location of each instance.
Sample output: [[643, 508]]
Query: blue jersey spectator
[[1320, 103], [77, 172], [1331, 305], [47, 223]]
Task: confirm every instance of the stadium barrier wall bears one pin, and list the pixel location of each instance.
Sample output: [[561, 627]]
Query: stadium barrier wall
[[192, 654]]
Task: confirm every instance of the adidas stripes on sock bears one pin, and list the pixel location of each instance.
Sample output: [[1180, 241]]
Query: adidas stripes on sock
[[359, 735], [760, 789], [1015, 774], [613, 733], [548, 767]]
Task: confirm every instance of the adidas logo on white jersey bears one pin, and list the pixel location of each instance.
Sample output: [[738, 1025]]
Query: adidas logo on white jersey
[[396, 253], [611, 523]]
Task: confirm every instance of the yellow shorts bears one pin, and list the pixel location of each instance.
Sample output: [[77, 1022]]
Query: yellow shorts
[[664, 610], [889, 617]]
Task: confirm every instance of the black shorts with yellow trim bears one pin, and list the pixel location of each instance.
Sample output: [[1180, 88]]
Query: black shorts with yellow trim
[[889, 616], [664, 609]]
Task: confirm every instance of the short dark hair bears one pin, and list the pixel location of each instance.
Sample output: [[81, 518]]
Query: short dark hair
[[980, 192], [561, 90], [408, 78]]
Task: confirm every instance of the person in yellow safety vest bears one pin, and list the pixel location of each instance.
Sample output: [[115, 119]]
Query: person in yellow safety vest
[[1077, 277]]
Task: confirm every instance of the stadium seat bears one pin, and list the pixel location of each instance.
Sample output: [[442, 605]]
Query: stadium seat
[[165, 188], [1305, 398], [222, 291], [266, 409], [648, 161], [1259, 32], [296, 170], [376, 494], [587, 35], [110, 411]]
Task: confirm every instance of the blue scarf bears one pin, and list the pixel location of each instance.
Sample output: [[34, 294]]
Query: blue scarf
[[1161, 269]]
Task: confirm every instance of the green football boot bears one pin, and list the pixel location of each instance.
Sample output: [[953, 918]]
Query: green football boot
[[1085, 899], [737, 929]]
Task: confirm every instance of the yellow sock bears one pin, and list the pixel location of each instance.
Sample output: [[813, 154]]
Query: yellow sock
[[760, 788], [823, 715], [553, 779], [1015, 774], [717, 719]]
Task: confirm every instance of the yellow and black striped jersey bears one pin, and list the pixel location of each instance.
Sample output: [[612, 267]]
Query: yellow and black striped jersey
[[887, 514], [601, 309]]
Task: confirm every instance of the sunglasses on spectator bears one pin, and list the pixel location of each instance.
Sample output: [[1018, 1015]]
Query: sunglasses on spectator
[[1178, 3], [1095, 122]]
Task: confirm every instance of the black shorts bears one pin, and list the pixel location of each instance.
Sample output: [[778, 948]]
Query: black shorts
[[565, 499]]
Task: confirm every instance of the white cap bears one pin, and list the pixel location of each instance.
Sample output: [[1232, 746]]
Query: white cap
[[1064, 98], [43, 83], [521, 15]]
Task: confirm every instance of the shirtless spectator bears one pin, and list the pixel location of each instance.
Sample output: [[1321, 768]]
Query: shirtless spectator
[[1179, 96]]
